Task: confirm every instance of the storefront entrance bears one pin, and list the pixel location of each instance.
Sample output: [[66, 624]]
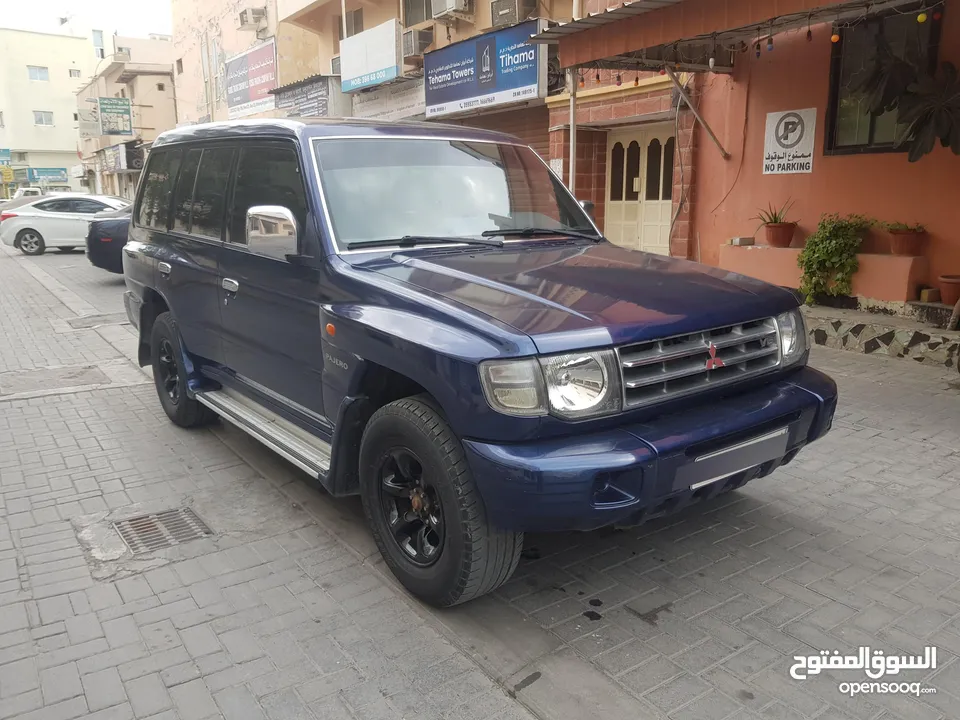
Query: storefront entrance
[[640, 187]]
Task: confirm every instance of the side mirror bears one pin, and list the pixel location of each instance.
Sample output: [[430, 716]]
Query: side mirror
[[272, 231], [587, 206]]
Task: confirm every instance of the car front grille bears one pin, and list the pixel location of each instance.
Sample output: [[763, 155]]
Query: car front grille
[[673, 367]]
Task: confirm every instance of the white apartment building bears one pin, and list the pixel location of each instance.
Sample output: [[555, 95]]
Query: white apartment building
[[40, 74]]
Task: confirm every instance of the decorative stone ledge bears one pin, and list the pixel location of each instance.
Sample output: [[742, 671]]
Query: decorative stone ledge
[[872, 334]]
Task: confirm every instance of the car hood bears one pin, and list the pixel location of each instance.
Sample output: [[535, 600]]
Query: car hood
[[566, 295]]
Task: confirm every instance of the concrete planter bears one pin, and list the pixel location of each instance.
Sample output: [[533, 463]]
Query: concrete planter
[[907, 242]]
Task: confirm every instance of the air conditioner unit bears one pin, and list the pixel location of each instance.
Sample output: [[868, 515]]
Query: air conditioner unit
[[415, 42], [251, 18], [446, 8], [511, 12], [335, 65]]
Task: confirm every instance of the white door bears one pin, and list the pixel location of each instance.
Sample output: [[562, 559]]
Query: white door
[[640, 188]]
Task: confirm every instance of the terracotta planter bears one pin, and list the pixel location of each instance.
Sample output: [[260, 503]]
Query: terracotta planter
[[949, 289], [780, 234], [907, 242]]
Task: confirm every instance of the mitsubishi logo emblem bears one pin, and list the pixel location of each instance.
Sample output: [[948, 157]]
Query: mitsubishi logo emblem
[[713, 362]]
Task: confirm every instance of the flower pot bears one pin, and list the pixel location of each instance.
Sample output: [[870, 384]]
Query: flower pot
[[780, 234], [949, 289], [907, 242]]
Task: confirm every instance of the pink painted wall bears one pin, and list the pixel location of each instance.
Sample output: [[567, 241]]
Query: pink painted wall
[[886, 186]]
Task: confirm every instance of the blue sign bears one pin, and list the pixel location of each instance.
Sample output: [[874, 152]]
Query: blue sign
[[4, 156], [493, 69], [35, 175]]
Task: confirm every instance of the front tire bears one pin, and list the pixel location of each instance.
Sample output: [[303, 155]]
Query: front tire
[[424, 509], [170, 376], [30, 242]]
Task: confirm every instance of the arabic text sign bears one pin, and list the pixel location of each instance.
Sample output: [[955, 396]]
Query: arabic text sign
[[391, 103], [307, 100], [116, 117], [250, 78], [4, 156], [371, 57], [789, 142], [874, 663], [493, 69]]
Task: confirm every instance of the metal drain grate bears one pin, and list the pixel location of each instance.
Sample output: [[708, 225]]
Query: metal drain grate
[[161, 530]]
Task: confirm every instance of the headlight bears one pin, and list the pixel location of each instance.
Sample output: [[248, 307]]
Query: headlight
[[571, 386], [793, 336], [514, 387]]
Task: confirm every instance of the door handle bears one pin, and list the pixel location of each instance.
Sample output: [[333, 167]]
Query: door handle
[[229, 285], [164, 268]]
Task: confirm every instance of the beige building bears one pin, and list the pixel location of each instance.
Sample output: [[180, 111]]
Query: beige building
[[130, 100], [39, 77]]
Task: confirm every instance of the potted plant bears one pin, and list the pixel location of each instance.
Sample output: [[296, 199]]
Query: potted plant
[[949, 289], [780, 231], [829, 259], [905, 239]]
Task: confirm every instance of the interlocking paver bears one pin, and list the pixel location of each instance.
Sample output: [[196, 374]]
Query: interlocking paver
[[103, 689]]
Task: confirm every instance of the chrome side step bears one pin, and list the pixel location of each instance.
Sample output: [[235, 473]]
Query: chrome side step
[[307, 452]]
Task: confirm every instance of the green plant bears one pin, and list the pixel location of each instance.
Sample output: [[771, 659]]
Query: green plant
[[829, 260], [774, 215], [931, 111], [902, 227]]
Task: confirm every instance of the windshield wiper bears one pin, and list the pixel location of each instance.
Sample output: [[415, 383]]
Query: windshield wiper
[[531, 231], [412, 240]]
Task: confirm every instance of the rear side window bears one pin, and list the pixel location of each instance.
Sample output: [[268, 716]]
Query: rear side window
[[183, 202], [267, 176], [210, 192], [82, 205], [154, 208], [54, 206]]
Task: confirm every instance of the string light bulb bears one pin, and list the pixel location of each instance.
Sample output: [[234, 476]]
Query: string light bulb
[[937, 15], [809, 35], [582, 83], [712, 62], [598, 77], [636, 80], [922, 18], [758, 49], [619, 81], [663, 71], [835, 38], [770, 44]]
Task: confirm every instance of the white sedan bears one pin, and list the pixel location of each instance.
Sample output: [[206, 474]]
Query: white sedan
[[52, 221]]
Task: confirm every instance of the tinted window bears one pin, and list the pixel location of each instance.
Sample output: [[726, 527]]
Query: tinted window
[[54, 206], [267, 176], [154, 208], [86, 206], [210, 193], [183, 202]]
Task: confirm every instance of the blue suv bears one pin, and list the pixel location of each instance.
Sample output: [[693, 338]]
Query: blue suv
[[423, 315]]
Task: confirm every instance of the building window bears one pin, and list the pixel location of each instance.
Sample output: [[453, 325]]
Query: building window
[[38, 73], [19, 157], [1, 119], [131, 93], [354, 22], [161, 87], [74, 73], [180, 66], [123, 50], [76, 117], [851, 128], [42, 117], [98, 50], [416, 11]]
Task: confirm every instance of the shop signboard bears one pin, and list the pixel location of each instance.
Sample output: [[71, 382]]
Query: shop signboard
[[116, 116], [307, 100], [394, 102], [49, 175], [788, 142], [371, 57], [6, 173], [114, 158], [251, 76], [4, 156], [497, 68]]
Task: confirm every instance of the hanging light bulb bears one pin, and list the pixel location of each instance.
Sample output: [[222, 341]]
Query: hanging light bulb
[[770, 44], [582, 83], [713, 62], [937, 15], [663, 71], [835, 38], [809, 35], [636, 80], [758, 49], [598, 77], [619, 81], [922, 17]]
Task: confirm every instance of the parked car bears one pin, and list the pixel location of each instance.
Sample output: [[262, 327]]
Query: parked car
[[59, 221], [106, 237], [423, 315]]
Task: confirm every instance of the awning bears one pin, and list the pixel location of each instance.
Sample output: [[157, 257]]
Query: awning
[[693, 35]]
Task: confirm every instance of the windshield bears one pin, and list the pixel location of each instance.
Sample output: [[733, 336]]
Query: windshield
[[381, 189]]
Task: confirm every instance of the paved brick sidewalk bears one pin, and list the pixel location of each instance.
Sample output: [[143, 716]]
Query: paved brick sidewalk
[[271, 617], [855, 543]]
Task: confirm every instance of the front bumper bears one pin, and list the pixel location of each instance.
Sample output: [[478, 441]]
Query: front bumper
[[641, 471]]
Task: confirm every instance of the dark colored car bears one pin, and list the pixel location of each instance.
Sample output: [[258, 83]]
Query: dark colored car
[[423, 315], [106, 237]]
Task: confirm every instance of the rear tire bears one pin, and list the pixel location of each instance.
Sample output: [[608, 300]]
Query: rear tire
[[424, 509], [30, 242], [170, 376]]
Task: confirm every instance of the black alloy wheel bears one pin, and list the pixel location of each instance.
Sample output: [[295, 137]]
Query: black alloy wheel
[[169, 372], [411, 507]]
